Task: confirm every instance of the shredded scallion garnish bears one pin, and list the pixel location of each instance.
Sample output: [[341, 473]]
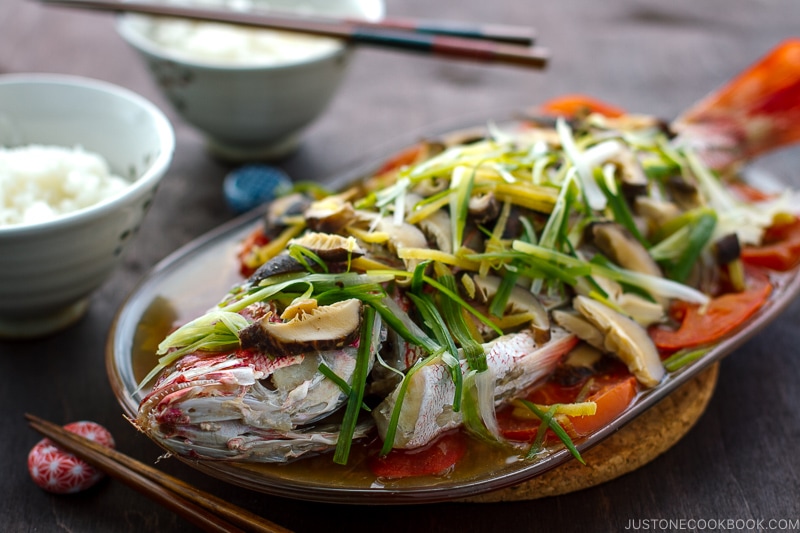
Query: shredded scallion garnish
[[356, 395], [553, 424]]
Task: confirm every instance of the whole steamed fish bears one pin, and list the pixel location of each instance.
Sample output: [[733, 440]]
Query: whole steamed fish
[[469, 270]]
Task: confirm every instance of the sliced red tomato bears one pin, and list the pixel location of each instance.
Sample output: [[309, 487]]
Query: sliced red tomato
[[612, 392], [611, 399], [573, 105], [431, 460], [748, 192], [781, 248], [407, 157], [523, 430], [704, 325], [255, 239]]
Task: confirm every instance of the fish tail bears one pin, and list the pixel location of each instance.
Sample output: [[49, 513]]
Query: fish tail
[[757, 111]]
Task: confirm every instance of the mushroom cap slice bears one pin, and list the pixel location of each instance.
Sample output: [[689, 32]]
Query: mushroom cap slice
[[655, 212], [282, 210], [330, 214], [436, 226], [519, 301], [625, 338], [643, 311], [322, 328], [483, 207], [633, 178], [581, 327], [621, 246], [329, 246], [280, 264], [403, 236]]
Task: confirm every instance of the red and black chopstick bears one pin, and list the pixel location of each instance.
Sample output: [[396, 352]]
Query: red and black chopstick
[[492, 43]]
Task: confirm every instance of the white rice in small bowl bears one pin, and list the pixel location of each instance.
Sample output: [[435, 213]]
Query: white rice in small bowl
[[226, 44], [80, 162], [251, 92], [39, 183]]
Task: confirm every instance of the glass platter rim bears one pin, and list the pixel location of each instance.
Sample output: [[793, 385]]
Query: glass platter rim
[[786, 287]]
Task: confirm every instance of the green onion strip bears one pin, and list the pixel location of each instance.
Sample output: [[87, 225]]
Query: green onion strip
[[391, 431], [683, 357], [652, 284], [553, 424], [214, 331], [300, 253], [700, 233], [461, 181], [430, 314], [356, 395], [618, 205], [538, 442], [453, 295], [326, 371]]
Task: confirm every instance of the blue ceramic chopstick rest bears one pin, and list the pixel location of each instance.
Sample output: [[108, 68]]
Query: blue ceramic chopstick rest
[[252, 185]]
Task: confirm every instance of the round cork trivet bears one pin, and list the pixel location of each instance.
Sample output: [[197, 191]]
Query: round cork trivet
[[636, 444]]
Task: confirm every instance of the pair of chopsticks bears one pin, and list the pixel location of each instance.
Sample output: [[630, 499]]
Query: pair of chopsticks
[[493, 43], [204, 510]]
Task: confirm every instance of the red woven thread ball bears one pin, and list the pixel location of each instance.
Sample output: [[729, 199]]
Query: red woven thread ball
[[60, 472]]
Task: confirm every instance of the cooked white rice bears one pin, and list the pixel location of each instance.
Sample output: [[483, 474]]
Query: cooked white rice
[[40, 183], [226, 44]]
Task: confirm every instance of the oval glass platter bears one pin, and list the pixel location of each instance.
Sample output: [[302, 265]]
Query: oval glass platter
[[192, 280]]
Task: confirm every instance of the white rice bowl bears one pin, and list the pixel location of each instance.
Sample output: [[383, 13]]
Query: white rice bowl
[[80, 166]]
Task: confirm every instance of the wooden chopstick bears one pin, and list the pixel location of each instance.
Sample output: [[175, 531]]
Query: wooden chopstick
[[392, 35], [501, 33], [200, 508]]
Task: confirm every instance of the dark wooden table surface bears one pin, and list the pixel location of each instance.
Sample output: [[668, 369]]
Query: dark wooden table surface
[[740, 461]]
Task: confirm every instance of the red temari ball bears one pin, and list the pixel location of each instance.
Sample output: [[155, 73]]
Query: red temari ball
[[58, 471]]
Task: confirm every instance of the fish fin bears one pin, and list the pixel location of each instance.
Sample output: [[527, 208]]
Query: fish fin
[[757, 111]]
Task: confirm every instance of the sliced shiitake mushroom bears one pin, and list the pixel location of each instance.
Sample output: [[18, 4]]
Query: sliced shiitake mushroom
[[581, 363], [283, 210], [655, 212], [520, 301], [625, 338], [633, 181], [436, 226], [483, 208], [430, 186], [575, 323], [727, 249], [319, 328], [619, 245], [685, 193], [280, 264], [330, 214], [642, 310], [402, 236], [329, 247]]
